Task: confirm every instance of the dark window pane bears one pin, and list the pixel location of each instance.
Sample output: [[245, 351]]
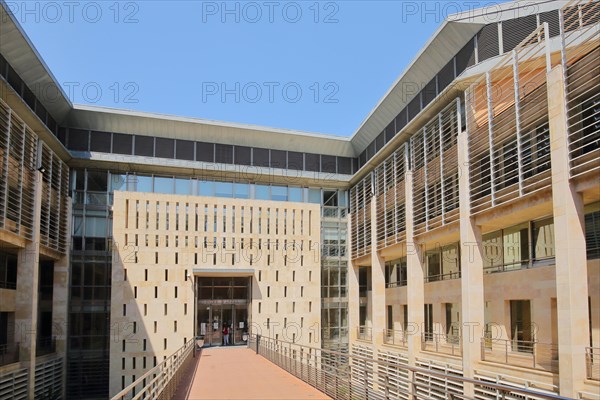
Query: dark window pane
[[100, 141], [344, 165], [465, 57], [354, 165], [551, 17], [165, 148], [41, 111], [205, 152], [446, 76], [514, 31], [144, 146], [487, 42], [29, 97], [260, 157], [122, 144], [390, 131], [328, 164], [429, 92], [14, 80], [243, 155], [379, 141], [414, 107], [362, 159], [62, 135], [278, 159], [185, 150], [312, 162], [2, 66], [224, 153], [78, 140], [371, 150], [295, 160], [401, 120], [52, 125]]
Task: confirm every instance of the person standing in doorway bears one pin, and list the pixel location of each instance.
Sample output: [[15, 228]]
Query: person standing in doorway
[[225, 335]]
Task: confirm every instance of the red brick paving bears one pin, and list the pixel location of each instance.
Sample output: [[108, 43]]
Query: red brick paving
[[238, 373]]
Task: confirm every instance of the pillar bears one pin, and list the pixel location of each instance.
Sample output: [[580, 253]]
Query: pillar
[[26, 298], [378, 312], [60, 302], [415, 289], [471, 261], [353, 292], [569, 231]]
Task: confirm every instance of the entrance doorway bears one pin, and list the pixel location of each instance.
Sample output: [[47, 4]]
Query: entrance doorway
[[223, 302]]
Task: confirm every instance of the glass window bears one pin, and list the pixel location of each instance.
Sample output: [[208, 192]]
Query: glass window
[[183, 186], [279, 193], [163, 185], [97, 181], [262, 192], [492, 250], [450, 262], [295, 194], [143, 184], [314, 196], [242, 190], [433, 266], [516, 245], [543, 239], [77, 226], [95, 227], [342, 198], [118, 182], [223, 189]]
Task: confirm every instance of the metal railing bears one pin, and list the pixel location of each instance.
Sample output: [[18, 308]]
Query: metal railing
[[334, 212], [442, 277], [9, 353], [396, 284], [161, 381], [441, 343], [592, 363], [364, 333], [395, 338], [344, 376], [521, 353]]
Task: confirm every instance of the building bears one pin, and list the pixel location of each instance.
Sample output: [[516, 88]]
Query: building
[[458, 229]]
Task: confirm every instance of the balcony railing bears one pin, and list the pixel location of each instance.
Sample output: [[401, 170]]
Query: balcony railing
[[334, 212], [592, 362], [365, 333], [161, 381], [442, 277], [45, 345], [441, 343], [395, 338], [344, 376], [400, 283], [521, 353], [9, 353]]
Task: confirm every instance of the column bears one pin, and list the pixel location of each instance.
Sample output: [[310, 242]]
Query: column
[[378, 314], [415, 290], [60, 302], [471, 261], [26, 299], [353, 292], [569, 231]]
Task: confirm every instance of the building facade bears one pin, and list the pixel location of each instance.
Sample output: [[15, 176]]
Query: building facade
[[457, 230]]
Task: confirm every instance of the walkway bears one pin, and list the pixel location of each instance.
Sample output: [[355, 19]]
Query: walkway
[[239, 373]]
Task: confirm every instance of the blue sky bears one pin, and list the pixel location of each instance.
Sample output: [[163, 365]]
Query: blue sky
[[306, 65]]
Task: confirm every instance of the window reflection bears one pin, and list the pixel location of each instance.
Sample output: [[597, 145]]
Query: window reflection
[[183, 186], [144, 184], [163, 185]]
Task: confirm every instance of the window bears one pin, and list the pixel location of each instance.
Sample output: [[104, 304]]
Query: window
[[443, 263], [592, 232]]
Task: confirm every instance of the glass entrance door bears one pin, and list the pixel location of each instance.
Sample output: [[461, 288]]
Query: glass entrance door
[[213, 318], [223, 301]]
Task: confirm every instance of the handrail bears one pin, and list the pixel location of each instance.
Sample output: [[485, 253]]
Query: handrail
[[592, 362], [164, 376], [280, 350]]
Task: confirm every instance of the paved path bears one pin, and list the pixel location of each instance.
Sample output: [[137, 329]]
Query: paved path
[[239, 373]]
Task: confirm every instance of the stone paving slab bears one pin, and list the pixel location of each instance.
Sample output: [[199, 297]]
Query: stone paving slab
[[238, 373]]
